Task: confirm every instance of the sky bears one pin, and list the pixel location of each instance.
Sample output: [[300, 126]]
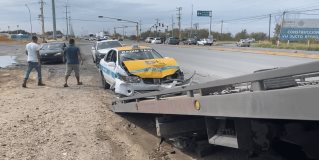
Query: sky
[[252, 15]]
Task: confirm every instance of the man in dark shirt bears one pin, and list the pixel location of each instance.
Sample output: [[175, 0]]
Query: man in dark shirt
[[72, 55]]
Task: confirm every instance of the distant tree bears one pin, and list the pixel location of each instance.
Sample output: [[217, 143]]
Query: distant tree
[[51, 32], [277, 30], [227, 37], [222, 37], [241, 35], [202, 33], [133, 37], [258, 36]]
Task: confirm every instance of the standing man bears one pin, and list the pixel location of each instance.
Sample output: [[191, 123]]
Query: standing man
[[72, 55], [32, 51]]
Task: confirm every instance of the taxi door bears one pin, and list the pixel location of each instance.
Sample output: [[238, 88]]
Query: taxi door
[[109, 67]]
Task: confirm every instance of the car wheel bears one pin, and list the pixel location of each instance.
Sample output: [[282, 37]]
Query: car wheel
[[104, 84]]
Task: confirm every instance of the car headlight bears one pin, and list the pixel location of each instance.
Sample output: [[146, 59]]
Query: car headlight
[[131, 79], [58, 54]]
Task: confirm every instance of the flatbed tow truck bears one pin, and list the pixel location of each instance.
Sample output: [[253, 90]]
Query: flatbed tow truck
[[257, 112]]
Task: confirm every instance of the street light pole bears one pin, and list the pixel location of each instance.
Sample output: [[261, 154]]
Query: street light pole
[[30, 17]]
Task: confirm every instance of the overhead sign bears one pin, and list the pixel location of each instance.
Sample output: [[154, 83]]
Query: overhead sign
[[299, 30], [204, 13]]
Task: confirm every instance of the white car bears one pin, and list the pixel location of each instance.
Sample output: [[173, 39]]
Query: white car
[[100, 48], [243, 43], [156, 40], [205, 41], [133, 69], [149, 39]]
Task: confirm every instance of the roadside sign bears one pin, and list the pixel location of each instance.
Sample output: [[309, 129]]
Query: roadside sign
[[300, 29], [204, 13], [299, 34]]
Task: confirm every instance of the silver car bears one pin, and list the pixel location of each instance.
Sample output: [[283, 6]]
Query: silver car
[[243, 43]]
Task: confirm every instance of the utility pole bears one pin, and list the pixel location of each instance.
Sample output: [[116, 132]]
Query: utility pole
[[282, 24], [156, 25], [221, 29], [196, 27], [269, 27], [179, 17], [191, 34], [42, 20], [210, 23], [66, 19], [140, 21], [29, 17], [54, 19], [172, 26]]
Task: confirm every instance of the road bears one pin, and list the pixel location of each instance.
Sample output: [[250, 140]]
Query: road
[[214, 64]]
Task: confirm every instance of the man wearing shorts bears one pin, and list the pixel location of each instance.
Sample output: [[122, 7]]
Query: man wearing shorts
[[72, 55], [32, 51]]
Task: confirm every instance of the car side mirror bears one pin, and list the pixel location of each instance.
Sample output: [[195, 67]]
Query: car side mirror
[[111, 64]]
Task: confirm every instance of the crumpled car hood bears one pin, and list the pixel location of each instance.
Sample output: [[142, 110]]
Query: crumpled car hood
[[152, 68]]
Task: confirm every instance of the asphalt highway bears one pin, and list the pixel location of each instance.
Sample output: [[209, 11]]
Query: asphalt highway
[[214, 64]]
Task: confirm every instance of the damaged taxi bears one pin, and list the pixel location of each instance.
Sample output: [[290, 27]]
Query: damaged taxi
[[133, 69]]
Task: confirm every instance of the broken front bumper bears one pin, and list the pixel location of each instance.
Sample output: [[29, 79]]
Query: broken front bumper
[[128, 89]]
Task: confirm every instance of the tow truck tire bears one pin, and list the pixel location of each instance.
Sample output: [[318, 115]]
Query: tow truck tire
[[104, 84]]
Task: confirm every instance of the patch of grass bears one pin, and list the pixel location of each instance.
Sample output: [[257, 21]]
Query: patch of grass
[[313, 46]]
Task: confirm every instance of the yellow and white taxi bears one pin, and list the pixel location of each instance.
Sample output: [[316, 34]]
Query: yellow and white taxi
[[133, 69]]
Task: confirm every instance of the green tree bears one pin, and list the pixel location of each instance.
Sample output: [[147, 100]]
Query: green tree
[[277, 30], [258, 36], [241, 35]]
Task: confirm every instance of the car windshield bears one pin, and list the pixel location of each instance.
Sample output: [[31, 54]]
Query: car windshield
[[109, 44], [52, 46], [139, 54]]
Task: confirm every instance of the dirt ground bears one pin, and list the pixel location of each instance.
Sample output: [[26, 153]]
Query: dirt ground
[[74, 123]]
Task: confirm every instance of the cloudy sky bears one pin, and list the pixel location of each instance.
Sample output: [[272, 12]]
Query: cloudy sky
[[236, 14]]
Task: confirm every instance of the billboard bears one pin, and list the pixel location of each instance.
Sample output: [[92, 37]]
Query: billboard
[[300, 29]]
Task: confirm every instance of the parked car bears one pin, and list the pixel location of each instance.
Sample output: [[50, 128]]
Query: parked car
[[243, 43], [100, 48], [52, 52], [190, 41], [172, 40], [205, 41], [149, 39], [133, 69], [157, 40]]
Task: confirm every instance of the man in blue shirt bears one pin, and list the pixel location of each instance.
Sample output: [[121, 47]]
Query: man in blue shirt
[[72, 55]]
